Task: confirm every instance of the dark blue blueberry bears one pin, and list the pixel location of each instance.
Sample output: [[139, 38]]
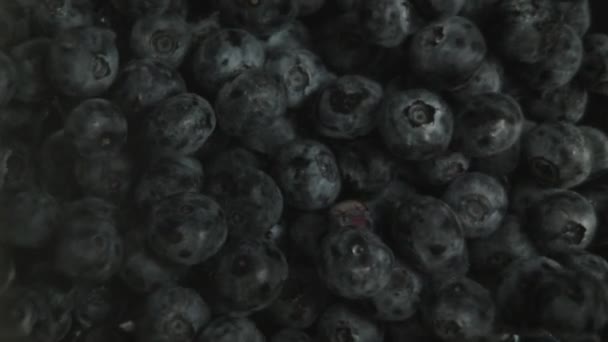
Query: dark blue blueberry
[[143, 272], [83, 61], [364, 166], [24, 121], [172, 314], [594, 68], [597, 140], [31, 61], [164, 38], [488, 78], [488, 124], [246, 276], [223, 56], [269, 139], [444, 168], [17, 166], [439, 8], [8, 79], [143, 83], [388, 22], [141, 8], [103, 333], [426, 231], [308, 174], [460, 309], [526, 193], [250, 102], [227, 329], [168, 175], [291, 335], [50, 17], [96, 128], [339, 323], [301, 71], [562, 221], [56, 166], [446, 52], [250, 198], [567, 103], [355, 263], [557, 154], [587, 263], [347, 107], [181, 124], [415, 124], [98, 305], [262, 17], [294, 35], [576, 14], [29, 218], [204, 28], [231, 159], [187, 228], [109, 178]]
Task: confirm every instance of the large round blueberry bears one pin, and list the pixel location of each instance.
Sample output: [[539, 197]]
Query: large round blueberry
[[388, 22], [165, 38], [109, 178]]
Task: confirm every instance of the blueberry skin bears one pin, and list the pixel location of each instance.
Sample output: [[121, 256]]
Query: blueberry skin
[[259, 17], [557, 154], [347, 107], [291, 335], [388, 22], [83, 61], [428, 232], [8, 79], [165, 38], [364, 167], [51, 17], [246, 276], [223, 56], [228, 329], [98, 305], [250, 198], [488, 78], [143, 272], [17, 21], [56, 166], [29, 218], [305, 234], [181, 124], [509, 243], [597, 141], [89, 248], [444, 168], [250, 102], [173, 314], [415, 124], [302, 72], [295, 35], [562, 221], [339, 323], [17, 166], [587, 263], [576, 14], [108, 178], [308, 174], [488, 124], [439, 8], [103, 333], [460, 309], [446, 52], [565, 103], [168, 175], [268, 140], [204, 28], [355, 263], [593, 73], [232, 158], [142, 8], [30, 60], [401, 297], [96, 128], [143, 83], [187, 228]]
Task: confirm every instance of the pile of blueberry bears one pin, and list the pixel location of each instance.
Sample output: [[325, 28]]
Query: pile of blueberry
[[303, 170]]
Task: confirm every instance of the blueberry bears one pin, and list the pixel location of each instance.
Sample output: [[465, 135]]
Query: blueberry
[[232, 158], [50, 17], [56, 166], [524, 194], [141, 8], [446, 52], [593, 71], [8, 79], [30, 60], [488, 124], [291, 335], [427, 231], [98, 305], [444, 168], [384, 204], [250, 102], [562, 221], [364, 166], [17, 166], [29, 218], [246, 276], [187, 228], [250, 198], [143, 272], [227, 329], [181, 123], [415, 124], [24, 121], [500, 164], [347, 107], [355, 263], [89, 247], [302, 72], [557, 154], [339, 323], [168, 175], [83, 61], [294, 35], [308, 174], [597, 141], [488, 78], [165, 38], [268, 140], [587, 263], [143, 83], [109, 178], [495, 252], [223, 56], [439, 8], [97, 128], [576, 14], [204, 28], [173, 314], [388, 22], [401, 297], [262, 17], [301, 301], [567, 103], [460, 309]]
